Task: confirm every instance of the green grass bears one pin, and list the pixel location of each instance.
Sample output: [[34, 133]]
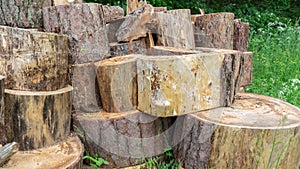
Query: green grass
[[276, 63]]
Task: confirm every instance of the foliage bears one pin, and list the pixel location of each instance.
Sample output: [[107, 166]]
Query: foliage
[[165, 161], [95, 161]]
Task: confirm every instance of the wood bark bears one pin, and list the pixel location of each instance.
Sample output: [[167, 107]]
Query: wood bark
[[3, 137], [160, 9], [247, 69], [112, 13], [7, 151], [136, 47], [66, 154], [175, 29], [65, 2], [177, 84], [124, 139], [117, 83], [255, 132], [33, 60], [112, 29], [241, 35], [214, 30], [132, 5], [86, 94], [23, 14], [38, 119], [85, 25]]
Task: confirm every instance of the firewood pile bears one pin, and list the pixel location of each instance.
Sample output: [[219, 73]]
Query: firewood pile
[[81, 77]]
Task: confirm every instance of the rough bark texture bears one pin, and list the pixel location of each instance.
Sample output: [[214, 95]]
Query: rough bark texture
[[117, 83], [33, 60], [65, 2], [66, 154], [124, 139], [241, 35], [255, 132], [23, 14], [3, 137], [112, 29], [214, 30], [112, 13], [7, 151], [86, 94], [85, 25], [132, 5], [247, 69], [160, 9], [37, 119], [175, 29], [176, 84], [136, 47]]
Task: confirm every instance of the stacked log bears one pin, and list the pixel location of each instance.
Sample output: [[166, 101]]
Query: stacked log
[[65, 2], [112, 13], [124, 139], [3, 137], [241, 35], [23, 14], [255, 132], [214, 30]]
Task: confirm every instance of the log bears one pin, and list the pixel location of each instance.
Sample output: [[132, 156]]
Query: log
[[255, 132], [85, 25], [112, 29], [182, 83], [175, 29], [38, 119], [33, 60], [117, 83], [7, 151], [86, 94], [131, 6], [23, 14], [112, 13], [136, 47], [66, 154], [3, 137], [241, 35], [123, 139], [214, 30], [65, 2], [160, 9]]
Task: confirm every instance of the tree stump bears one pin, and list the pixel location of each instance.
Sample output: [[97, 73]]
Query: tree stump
[[33, 60], [182, 83], [37, 119], [123, 139], [86, 94], [66, 154], [112, 13], [175, 29], [117, 83], [23, 14], [214, 30], [255, 132], [85, 25], [136, 47], [241, 35]]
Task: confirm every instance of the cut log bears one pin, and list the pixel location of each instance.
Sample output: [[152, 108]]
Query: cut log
[[7, 151], [38, 119], [3, 137], [112, 13], [66, 154], [214, 30], [175, 29], [65, 2], [112, 29], [255, 132], [85, 25], [241, 35], [177, 84], [23, 14], [160, 9], [117, 83], [136, 47], [33, 60], [132, 5], [86, 94], [123, 139]]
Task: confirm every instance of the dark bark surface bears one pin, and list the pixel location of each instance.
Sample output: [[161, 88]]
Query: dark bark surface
[[241, 35], [37, 119], [85, 25], [33, 60], [136, 47], [23, 13]]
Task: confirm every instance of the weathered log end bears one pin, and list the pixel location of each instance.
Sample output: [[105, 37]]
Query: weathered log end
[[37, 119], [123, 139], [255, 132], [66, 154]]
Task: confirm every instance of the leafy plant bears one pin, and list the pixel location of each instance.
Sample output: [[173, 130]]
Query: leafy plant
[[96, 161], [165, 161]]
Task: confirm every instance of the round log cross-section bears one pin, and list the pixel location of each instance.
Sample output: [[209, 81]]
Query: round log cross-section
[[255, 132], [38, 119]]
